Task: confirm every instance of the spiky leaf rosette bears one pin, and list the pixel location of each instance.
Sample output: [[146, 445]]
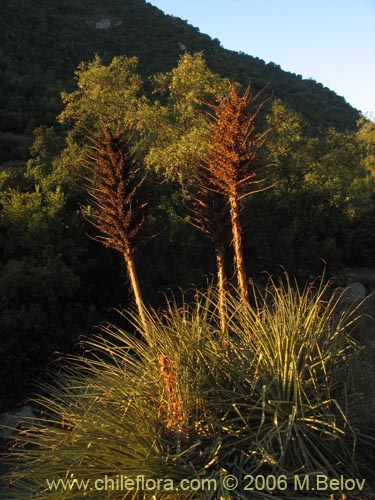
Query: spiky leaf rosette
[[275, 401]]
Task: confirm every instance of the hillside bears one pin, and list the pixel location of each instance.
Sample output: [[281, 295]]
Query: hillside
[[41, 44]]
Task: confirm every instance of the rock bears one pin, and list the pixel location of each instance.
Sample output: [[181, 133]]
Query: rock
[[353, 293], [9, 421], [103, 24], [365, 275]]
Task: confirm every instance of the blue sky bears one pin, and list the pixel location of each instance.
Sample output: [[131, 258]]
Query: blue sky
[[331, 41]]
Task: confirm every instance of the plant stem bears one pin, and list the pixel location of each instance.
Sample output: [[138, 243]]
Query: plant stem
[[237, 246], [222, 286], [134, 283]]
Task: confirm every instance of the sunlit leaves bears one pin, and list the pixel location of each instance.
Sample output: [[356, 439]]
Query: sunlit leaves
[[285, 146], [276, 401], [182, 135], [106, 94], [28, 219], [366, 138]]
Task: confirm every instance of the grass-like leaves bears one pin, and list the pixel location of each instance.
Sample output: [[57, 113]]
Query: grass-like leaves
[[277, 400]]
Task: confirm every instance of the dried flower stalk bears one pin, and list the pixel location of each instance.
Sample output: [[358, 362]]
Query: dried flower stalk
[[232, 163], [174, 419], [114, 182]]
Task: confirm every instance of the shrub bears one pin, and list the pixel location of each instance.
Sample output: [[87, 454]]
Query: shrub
[[273, 398]]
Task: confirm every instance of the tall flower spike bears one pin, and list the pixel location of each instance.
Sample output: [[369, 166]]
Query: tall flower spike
[[233, 164], [113, 183], [174, 416]]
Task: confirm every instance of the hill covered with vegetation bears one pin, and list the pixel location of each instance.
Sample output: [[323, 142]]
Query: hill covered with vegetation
[[43, 42]]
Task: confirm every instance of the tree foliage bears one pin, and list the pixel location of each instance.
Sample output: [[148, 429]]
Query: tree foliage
[[322, 199], [106, 94], [42, 270], [182, 129]]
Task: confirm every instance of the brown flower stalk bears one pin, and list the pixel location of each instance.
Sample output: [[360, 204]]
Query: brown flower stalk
[[114, 182], [174, 418], [232, 163], [209, 211]]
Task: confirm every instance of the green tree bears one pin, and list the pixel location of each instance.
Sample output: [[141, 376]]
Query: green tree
[[321, 189], [337, 168], [285, 147], [181, 130], [366, 138], [106, 94], [41, 306]]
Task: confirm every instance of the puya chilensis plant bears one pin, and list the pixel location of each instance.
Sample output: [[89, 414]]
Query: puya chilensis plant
[[277, 401]]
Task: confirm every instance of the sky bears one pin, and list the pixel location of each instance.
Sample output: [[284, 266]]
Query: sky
[[331, 41]]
